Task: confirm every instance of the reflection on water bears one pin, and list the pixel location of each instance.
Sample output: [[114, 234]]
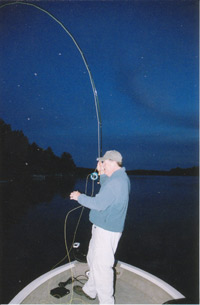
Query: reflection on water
[[19, 196], [161, 232]]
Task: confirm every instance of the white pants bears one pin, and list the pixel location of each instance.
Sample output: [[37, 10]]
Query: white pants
[[100, 258]]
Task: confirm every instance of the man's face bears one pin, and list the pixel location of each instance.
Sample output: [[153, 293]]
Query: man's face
[[108, 166]]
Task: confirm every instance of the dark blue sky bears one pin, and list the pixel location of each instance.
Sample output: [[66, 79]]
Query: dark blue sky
[[143, 56]]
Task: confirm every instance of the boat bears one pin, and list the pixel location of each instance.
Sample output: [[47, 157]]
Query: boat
[[132, 286]]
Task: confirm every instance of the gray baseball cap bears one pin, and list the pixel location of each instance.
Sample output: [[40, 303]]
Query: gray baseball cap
[[111, 155]]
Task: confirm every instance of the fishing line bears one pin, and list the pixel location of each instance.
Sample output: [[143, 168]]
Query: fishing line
[[77, 225], [74, 236], [96, 99], [68, 252]]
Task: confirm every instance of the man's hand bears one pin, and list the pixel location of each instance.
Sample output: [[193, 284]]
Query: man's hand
[[74, 195]]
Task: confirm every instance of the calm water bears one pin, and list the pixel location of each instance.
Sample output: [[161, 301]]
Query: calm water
[[161, 233]]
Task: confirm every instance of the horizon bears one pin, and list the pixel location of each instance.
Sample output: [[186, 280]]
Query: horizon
[[149, 170]]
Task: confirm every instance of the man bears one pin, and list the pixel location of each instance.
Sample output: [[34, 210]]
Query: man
[[108, 213]]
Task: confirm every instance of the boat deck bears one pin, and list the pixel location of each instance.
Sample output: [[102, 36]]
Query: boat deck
[[131, 287]]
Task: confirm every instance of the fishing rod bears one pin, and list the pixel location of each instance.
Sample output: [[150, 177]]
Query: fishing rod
[[93, 176], [96, 99]]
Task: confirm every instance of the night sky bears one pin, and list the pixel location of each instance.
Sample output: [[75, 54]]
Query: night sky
[[143, 56]]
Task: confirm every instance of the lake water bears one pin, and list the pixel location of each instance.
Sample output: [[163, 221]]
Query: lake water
[[160, 236]]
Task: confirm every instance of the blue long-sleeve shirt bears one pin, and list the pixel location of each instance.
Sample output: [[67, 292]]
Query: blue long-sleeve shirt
[[109, 206]]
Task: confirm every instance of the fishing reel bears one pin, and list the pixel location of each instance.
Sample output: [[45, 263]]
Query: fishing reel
[[94, 176]]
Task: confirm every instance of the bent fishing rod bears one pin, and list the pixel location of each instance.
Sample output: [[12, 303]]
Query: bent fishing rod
[[96, 100]]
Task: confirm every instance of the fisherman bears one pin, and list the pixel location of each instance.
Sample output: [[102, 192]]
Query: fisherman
[[108, 213]]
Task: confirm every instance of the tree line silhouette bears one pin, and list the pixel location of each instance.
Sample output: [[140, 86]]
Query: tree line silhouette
[[20, 158]]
